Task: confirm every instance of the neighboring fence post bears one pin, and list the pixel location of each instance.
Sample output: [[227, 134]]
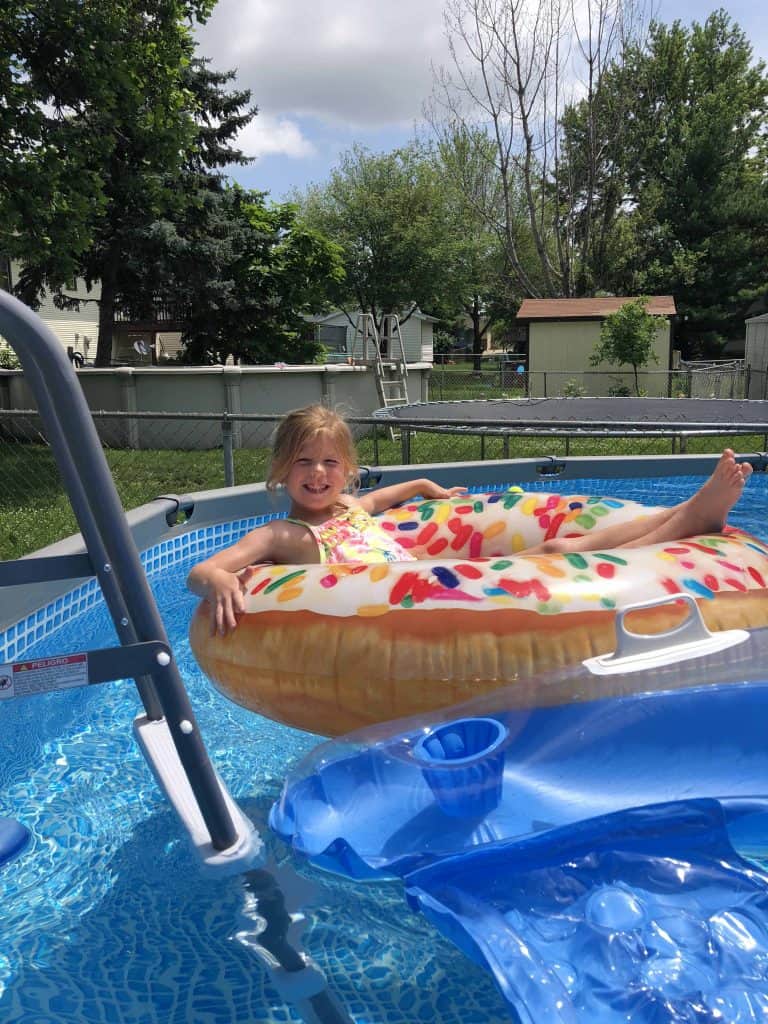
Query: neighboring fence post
[[376, 459], [128, 402], [228, 448], [232, 404]]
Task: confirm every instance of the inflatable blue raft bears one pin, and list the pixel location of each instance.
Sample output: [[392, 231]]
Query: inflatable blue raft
[[601, 858]]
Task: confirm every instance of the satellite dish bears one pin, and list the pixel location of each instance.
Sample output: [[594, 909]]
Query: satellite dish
[[141, 347]]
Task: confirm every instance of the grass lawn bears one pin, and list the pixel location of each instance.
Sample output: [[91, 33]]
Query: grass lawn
[[454, 382], [34, 510]]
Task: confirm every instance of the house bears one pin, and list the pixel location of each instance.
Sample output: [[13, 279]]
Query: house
[[464, 333], [78, 330], [338, 331], [138, 344], [562, 334]]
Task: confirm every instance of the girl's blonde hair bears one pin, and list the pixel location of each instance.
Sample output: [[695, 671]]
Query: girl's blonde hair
[[301, 426]]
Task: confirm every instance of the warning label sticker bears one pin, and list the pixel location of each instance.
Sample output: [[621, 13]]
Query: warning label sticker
[[24, 678]]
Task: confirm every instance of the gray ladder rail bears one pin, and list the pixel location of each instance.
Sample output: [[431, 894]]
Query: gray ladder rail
[[91, 563], [365, 331], [80, 458], [392, 323], [169, 738]]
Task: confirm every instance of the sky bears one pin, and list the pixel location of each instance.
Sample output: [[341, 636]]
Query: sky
[[327, 74]]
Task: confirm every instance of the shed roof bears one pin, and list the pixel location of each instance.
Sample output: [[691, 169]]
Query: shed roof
[[590, 309]]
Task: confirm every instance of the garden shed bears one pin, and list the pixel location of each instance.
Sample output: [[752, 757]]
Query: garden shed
[[562, 334]]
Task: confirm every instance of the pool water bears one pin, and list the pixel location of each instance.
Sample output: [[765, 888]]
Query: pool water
[[107, 916]]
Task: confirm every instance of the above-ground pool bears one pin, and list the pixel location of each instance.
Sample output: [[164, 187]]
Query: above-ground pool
[[107, 915]]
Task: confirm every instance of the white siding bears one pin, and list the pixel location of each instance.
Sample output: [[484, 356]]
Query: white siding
[[427, 341], [416, 333], [78, 329]]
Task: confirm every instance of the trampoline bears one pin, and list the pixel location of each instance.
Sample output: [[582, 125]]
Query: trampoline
[[573, 418], [621, 414]]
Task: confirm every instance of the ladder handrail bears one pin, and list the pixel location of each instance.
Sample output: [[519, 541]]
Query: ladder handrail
[[365, 330], [115, 560], [395, 331]]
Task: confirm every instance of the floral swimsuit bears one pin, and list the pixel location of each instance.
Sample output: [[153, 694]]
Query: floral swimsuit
[[355, 536]]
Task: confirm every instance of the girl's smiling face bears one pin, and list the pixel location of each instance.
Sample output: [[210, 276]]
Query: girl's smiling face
[[317, 475]]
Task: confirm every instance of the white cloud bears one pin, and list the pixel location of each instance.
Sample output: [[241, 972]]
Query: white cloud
[[353, 62], [267, 135], [326, 72]]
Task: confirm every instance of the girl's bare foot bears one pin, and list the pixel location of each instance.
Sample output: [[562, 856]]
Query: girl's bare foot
[[707, 511]]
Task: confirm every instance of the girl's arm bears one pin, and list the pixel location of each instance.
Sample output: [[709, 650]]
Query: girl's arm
[[385, 497], [221, 580]]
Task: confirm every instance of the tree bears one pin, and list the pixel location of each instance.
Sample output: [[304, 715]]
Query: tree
[[50, 174], [387, 215], [101, 96], [246, 278], [477, 281], [175, 253], [689, 171], [627, 338], [160, 176], [516, 68], [702, 206]]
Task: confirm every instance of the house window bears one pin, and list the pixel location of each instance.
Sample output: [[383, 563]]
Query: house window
[[5, 273], [333, 337]]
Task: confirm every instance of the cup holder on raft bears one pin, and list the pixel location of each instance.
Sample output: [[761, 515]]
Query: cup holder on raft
[[689, 639], [463, 765]]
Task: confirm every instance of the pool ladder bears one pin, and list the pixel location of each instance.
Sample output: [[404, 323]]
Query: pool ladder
[[167, 732]]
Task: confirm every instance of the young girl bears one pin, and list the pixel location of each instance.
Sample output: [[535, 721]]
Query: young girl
[[314, 459]]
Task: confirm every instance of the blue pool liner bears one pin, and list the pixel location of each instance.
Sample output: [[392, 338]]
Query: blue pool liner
[[13, 838]]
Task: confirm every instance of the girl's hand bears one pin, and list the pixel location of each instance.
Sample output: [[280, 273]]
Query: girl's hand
[[429, 489], [227, 598]]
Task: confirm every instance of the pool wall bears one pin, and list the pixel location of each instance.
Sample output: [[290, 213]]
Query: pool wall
[[216, 518]]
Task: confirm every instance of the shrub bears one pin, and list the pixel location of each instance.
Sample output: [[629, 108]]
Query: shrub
[[8, 359], [572, 389]]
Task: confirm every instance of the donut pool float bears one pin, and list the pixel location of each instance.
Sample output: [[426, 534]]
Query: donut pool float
[[331, 648]]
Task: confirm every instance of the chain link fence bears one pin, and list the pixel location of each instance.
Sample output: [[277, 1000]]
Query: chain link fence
[[508, 380], [152, 454]]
